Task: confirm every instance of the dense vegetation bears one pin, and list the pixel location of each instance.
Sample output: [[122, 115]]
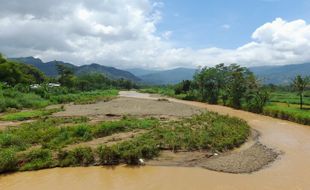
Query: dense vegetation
[[24, 86], [40, 144], [237, 87]]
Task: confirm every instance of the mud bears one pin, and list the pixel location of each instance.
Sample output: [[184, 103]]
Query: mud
[[130, 106]]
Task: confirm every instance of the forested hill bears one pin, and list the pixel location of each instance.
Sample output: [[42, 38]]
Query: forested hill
[[172, 76], [280, 74], [50, 68]]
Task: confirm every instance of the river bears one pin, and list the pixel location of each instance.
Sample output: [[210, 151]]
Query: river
[[290, 172]]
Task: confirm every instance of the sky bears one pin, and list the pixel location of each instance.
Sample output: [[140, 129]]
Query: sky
[[157, 34]]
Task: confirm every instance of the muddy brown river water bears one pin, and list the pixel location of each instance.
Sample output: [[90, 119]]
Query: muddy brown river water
[[290, 172]]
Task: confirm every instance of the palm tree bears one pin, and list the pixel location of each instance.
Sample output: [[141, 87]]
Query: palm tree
[[300, 83]]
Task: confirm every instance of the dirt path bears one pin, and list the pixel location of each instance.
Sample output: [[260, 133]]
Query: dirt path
[[109, 140]]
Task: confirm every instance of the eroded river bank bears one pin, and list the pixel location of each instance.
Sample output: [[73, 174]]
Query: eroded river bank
[[289, 172]]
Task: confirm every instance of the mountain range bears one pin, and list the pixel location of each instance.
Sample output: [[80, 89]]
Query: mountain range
[[280, 74], [267, 74], [50, 68]]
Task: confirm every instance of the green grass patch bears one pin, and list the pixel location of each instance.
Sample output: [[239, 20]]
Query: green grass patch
[[80, 156], [289, 97], [36, 159], [166, 91], [26, 115], [289, 112], [84, 97]]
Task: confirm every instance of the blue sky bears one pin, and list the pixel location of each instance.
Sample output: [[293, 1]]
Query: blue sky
[[157, 34], [224, 23]]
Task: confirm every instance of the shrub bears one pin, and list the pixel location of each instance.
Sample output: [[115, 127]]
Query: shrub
[[37, 159], [108, 155], [8, 140], [8, 160], [81, 156]]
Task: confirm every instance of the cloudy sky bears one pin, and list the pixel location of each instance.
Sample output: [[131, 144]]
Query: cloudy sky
[[157, 34]]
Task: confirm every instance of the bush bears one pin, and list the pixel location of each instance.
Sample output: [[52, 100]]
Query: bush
[[8, 140], [81, 156], [8, 160], [37, 159], [108, 155]]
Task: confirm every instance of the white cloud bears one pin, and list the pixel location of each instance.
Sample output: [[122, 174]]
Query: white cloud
[[226, 26], [123, 34], [166, 35]]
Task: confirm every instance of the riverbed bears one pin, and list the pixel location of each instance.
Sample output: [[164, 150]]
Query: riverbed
[[291, 171]]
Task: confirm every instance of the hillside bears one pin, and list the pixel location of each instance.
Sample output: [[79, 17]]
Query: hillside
[[141, 72], [50, 68], [280, 74], [168, 76]]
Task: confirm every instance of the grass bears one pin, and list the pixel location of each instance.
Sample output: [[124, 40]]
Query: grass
[[80, 156], [208, 131], [10, 98], [289, 97], [26, 115], [289, 112], [84, 97], [166, 91], [36, 159]]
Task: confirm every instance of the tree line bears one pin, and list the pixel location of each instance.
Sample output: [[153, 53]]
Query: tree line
[[14, 73], [233, 86]]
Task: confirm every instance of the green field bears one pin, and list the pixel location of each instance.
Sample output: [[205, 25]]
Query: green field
[[289, 97]]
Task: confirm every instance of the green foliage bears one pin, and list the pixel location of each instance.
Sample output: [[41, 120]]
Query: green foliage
[[80, 156], [15, 73], [108, 155], [163, 90], [66, 75], [288, 112], [8, 140], [206, 131], [300, 84], [84, 97], [8, 160], [11, 98], [25, 115], [126, 124], [289, 97], [36, 159]]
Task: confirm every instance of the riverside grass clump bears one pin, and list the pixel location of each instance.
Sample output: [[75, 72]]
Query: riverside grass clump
[[84, 97], [12, 98], [29, 114], [208, 131], [289, 112]]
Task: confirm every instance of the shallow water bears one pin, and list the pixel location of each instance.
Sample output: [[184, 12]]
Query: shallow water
[[290, 172]]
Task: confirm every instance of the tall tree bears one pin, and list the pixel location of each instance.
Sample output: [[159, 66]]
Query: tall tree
[[299, 84], [66, 75]]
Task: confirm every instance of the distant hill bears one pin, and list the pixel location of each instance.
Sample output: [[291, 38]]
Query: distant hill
[[140, 72], [50, 68], [110, 71], [280, 74], [173, 76]]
